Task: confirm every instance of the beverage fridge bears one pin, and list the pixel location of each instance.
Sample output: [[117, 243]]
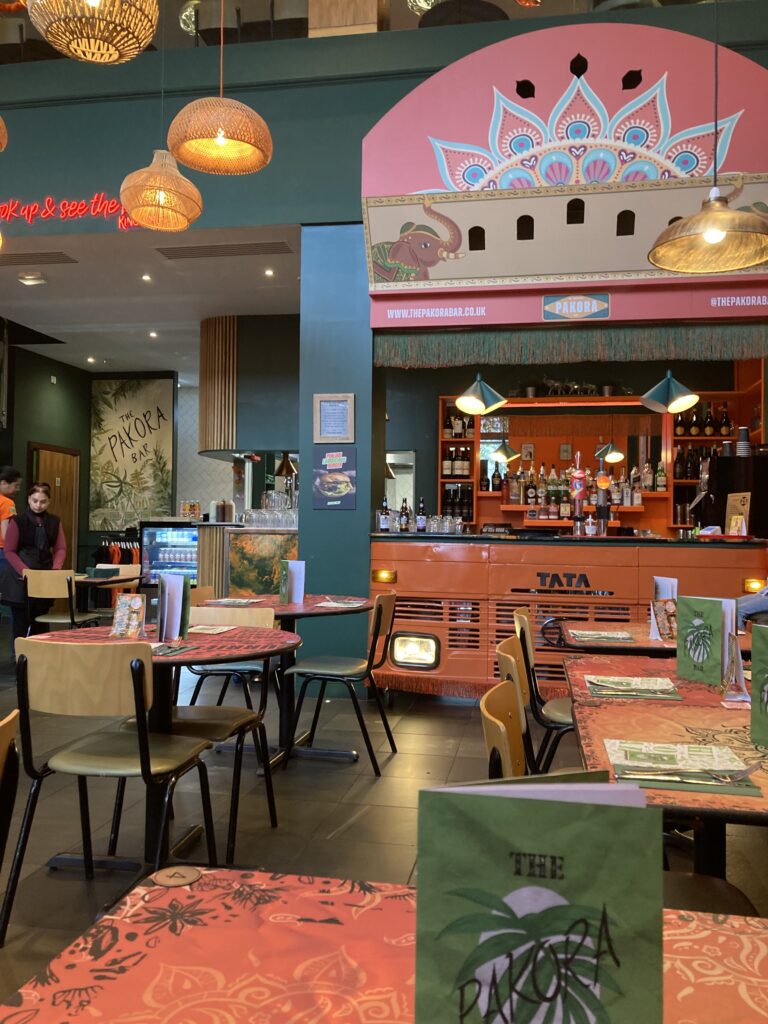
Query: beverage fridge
[[168, 546]]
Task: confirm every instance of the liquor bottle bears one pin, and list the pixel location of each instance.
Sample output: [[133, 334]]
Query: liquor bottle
[[661, 477], [637, 494], [691, 464], [726, 427], [447, 462], [541, 486], [709, 422], [505, 490], [485, 483], [458, 425], [694, 424], [496, 479], [615, 492], [469, 427], [554, 505], [646, 480], [679, 424], [447, 426], [626, 490], [531, 491], [404, 516], [384, 516], [678, 471], [565, 499], [421, 518], [552, 478]]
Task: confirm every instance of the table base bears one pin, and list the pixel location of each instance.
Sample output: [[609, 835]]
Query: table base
[[109, 863]]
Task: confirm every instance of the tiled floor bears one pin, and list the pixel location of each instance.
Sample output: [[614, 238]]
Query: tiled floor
[[335, 817]]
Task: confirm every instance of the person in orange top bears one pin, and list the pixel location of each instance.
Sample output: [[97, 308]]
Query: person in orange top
[[10, 482]]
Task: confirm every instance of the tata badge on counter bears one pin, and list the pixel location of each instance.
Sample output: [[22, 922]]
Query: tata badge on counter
[[334, 477]]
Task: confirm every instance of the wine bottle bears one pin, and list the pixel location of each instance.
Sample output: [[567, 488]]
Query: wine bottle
[[709, 422], [694, 424], [447, 462], [661, 477], [726, 427], [678, 472], [679, 424], [458, 425], [469, 427], [447, 426], [691, 464]]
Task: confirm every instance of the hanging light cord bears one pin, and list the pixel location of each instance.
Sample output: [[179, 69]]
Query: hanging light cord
[[162, 78], [717, 69], [221, 52]]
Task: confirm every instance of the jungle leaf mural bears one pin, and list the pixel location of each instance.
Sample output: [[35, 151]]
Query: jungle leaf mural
[[131, 452]]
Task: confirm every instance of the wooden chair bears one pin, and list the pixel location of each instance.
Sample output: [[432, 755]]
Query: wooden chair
[[9, 776], [510, 661], [71, 679], [554, 716], [348, 672], [218, 724], [502, 717], [50, 585]]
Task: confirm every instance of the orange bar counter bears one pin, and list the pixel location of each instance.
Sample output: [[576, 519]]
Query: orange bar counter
[[456, 595]]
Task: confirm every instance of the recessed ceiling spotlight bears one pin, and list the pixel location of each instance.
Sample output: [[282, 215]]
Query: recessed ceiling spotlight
[[153, 334], [146, 277], [90, 359], [31, 277], [269, 272]]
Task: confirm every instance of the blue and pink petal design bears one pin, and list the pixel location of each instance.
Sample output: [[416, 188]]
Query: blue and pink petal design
[[581, 144]]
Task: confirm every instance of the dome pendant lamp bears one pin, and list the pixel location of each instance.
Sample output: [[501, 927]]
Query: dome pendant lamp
[[159, 197], [479, 399], [217, 135], [96, 31], [716, 240]]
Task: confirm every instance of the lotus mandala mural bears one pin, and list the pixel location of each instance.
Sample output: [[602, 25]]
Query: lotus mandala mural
[[581, 144]]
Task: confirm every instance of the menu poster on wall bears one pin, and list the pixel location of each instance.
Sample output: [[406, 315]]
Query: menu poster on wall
[[132, 423], [334, 477]]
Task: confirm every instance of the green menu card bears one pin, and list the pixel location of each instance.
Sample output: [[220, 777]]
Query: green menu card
[[759, 722], [700, 629], [538, 904]]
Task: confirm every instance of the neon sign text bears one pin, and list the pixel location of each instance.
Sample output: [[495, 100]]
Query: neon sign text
[[99, 205]]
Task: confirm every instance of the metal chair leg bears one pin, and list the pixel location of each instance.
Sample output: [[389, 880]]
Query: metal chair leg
[[224, 688], [296, 716], [116, 816], [198, 688], [363, 728], [234, 800], [176, 684], [552, 750], [267, 774], [18, 857], [205, 793], [316, 713], [85, 824], [383, 714], [170, 785]]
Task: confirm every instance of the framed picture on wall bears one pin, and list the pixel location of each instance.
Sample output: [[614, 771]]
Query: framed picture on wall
[[527, 451], [333, 419], [566, 452]]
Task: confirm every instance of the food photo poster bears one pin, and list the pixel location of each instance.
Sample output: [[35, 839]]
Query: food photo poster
[[334, 477]]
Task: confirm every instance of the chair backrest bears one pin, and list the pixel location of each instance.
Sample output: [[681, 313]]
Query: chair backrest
[[9, 776], [380, 626], [524, 629], [89, 679], [199, 595], [8, 728], [49, 583], [502, 717], [227, 616], [509, 656]]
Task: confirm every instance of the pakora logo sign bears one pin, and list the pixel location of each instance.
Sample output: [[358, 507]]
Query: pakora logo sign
[[577, 307]]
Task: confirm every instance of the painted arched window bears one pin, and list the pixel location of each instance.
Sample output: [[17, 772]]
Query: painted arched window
[[524, 228], [476, 239], [625, 223], [574, 213]]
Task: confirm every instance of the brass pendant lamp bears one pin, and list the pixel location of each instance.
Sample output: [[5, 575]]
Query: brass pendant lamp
[[96, 31], [159, 197], [218, 135], [716, 240]]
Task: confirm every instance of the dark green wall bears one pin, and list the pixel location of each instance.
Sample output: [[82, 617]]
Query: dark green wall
[[77, 128], [412, 397], [336, 356], [267, 383], [56, 414]]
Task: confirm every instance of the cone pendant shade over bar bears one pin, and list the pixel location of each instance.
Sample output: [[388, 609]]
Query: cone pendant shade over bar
[[716, 240], [100, 32], [610, 453], [505, 453], [220, 136], [669, 395], [479, 399], [159, 197]]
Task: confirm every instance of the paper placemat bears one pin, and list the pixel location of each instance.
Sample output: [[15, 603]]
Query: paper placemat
[[211, 630], [339, 604], [601, 634], [687, 756]]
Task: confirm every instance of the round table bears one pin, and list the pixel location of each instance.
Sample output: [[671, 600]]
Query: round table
[[239, 644], [313, 606]]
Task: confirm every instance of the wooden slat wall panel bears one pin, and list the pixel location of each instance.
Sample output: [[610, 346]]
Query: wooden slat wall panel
[[211, 567], [218, 383]]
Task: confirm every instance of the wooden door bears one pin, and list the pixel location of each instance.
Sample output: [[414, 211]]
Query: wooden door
[[60, 467]]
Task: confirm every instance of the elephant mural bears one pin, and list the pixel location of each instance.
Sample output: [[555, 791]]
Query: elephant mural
[[418, 248]]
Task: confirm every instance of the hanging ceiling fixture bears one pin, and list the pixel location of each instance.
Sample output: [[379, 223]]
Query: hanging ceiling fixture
[[159, 197], [96, 31], [479, 399], [669, 395], [218, 135], [505, 453], [286, 467], [3, 135], [609, 453], [716, 240]]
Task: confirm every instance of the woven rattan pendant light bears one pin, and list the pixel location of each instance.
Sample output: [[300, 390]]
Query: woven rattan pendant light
[[159, 197], [219, 135], [96, 31], [3, 135]]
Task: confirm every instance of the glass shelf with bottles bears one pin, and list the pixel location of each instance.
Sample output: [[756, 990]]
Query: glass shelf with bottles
[[706, 421]]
